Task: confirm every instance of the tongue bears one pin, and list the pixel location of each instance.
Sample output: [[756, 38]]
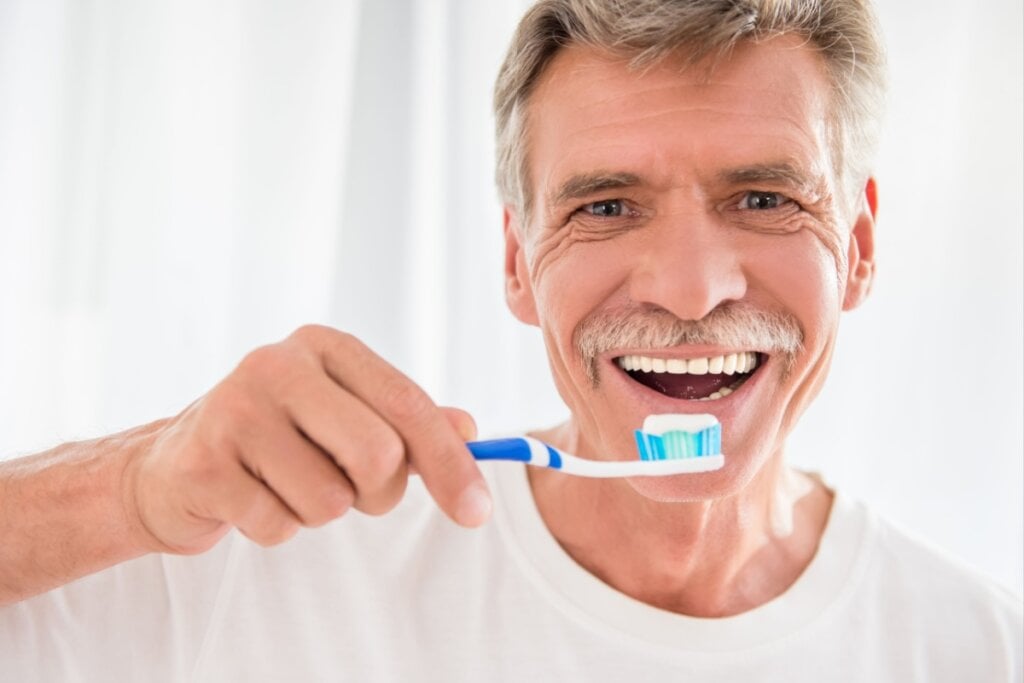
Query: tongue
[[689, 387]]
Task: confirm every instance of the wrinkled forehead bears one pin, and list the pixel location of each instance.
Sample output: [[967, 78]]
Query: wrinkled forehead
[[592, 107]]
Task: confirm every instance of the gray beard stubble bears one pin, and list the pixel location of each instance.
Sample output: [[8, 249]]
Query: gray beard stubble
[[733, 325]]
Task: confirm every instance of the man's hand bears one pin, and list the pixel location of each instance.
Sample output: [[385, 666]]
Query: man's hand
[[300, 432]]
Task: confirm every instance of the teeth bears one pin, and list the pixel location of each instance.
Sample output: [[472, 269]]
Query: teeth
[[721, 393], [716, 365], [676, 366], [697, 366], [730, 364], [749, 361]]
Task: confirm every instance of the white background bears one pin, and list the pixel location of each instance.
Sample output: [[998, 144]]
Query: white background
[[183, 181]]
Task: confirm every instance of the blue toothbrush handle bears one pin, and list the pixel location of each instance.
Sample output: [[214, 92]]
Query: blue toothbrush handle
[[500, 449], [516, 449]]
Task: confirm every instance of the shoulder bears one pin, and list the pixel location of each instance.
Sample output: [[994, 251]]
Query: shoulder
[[925, 570], [941, 608]]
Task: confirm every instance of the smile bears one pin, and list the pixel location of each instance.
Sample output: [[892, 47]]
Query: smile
[[692, 379]]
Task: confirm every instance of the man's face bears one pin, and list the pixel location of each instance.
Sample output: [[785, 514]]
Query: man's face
[[668, 196]]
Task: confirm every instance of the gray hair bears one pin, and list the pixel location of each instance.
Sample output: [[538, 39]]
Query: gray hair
[[844, 32]]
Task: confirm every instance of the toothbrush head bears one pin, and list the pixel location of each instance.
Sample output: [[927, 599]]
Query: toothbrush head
[[671, 437]]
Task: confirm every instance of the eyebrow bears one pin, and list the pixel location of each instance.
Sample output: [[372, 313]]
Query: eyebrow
[[781, 172], [585, 184]]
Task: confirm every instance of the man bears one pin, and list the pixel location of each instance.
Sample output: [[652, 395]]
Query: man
[[686, 185]]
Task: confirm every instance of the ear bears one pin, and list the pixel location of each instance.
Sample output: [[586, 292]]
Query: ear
[[518, 290], [861, 256]]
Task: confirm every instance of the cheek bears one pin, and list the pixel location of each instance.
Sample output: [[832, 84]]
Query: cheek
[[801, 272], [576, 282]]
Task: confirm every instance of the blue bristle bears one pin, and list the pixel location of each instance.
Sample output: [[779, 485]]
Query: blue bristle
[[679, 443], [641, 444], [659, 448]]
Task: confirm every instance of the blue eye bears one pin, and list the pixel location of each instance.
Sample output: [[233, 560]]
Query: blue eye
[[607, 208], [762, 201]]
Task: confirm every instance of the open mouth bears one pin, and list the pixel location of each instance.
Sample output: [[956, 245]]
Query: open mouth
[[692, 379]]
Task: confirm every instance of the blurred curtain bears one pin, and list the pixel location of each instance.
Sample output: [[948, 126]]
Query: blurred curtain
[[181, 181]]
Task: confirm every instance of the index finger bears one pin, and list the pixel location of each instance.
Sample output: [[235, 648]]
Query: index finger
[[432, 444]]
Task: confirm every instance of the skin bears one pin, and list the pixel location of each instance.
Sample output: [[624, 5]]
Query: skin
[[685, 234]]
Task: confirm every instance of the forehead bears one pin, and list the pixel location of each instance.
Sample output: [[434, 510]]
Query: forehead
[[766, 103]]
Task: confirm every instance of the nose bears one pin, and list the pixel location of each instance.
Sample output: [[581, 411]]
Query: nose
[[689, 268]]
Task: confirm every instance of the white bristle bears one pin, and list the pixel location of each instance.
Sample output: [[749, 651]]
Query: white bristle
[[660, 424]]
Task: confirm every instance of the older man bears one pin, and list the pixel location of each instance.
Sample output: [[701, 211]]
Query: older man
[[688, 210]]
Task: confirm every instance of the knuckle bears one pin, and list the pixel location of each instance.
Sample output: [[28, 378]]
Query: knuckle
[[284, 531], [264, 361], [385, 453], [308, 334], [345, 347], [345, 341], [313, 336], [273, 369], [384, 500], [328, 346], [334, 502], [273, 534], [378, 459], [228, 413], [266, 523], [404, 400]]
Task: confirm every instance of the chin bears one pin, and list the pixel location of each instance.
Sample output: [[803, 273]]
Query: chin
[[705, 487]]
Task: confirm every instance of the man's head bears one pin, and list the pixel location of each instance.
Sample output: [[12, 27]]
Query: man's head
[[843, 32], [677, 178]]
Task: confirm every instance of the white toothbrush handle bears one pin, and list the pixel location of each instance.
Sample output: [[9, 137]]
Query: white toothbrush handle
[[535, 452]]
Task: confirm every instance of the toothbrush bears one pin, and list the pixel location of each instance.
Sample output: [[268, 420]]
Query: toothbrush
[[668, 444]]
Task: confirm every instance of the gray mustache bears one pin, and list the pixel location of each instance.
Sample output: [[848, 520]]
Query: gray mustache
[[737, 325]]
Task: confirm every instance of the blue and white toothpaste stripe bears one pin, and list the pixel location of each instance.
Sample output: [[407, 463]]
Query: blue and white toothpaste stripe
[[679, 444]]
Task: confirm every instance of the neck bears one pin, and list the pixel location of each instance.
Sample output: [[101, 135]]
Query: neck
[[710, 558]]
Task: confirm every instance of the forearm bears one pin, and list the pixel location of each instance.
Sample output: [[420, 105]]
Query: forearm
[[63, 513]]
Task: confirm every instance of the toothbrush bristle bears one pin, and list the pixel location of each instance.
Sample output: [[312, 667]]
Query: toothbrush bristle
[[676, 444]]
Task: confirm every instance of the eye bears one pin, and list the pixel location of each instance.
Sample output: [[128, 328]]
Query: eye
[[764, 201], [606, 208]]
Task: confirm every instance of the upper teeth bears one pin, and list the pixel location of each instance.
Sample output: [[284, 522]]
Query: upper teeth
[[733, 363]]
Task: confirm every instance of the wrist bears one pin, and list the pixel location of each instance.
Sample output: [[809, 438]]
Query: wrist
[[135, 445]]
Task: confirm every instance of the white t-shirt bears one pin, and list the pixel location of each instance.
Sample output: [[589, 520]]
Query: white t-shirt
[[412, 597]]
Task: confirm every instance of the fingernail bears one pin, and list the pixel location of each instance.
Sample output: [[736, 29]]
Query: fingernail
[[474, 505]]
